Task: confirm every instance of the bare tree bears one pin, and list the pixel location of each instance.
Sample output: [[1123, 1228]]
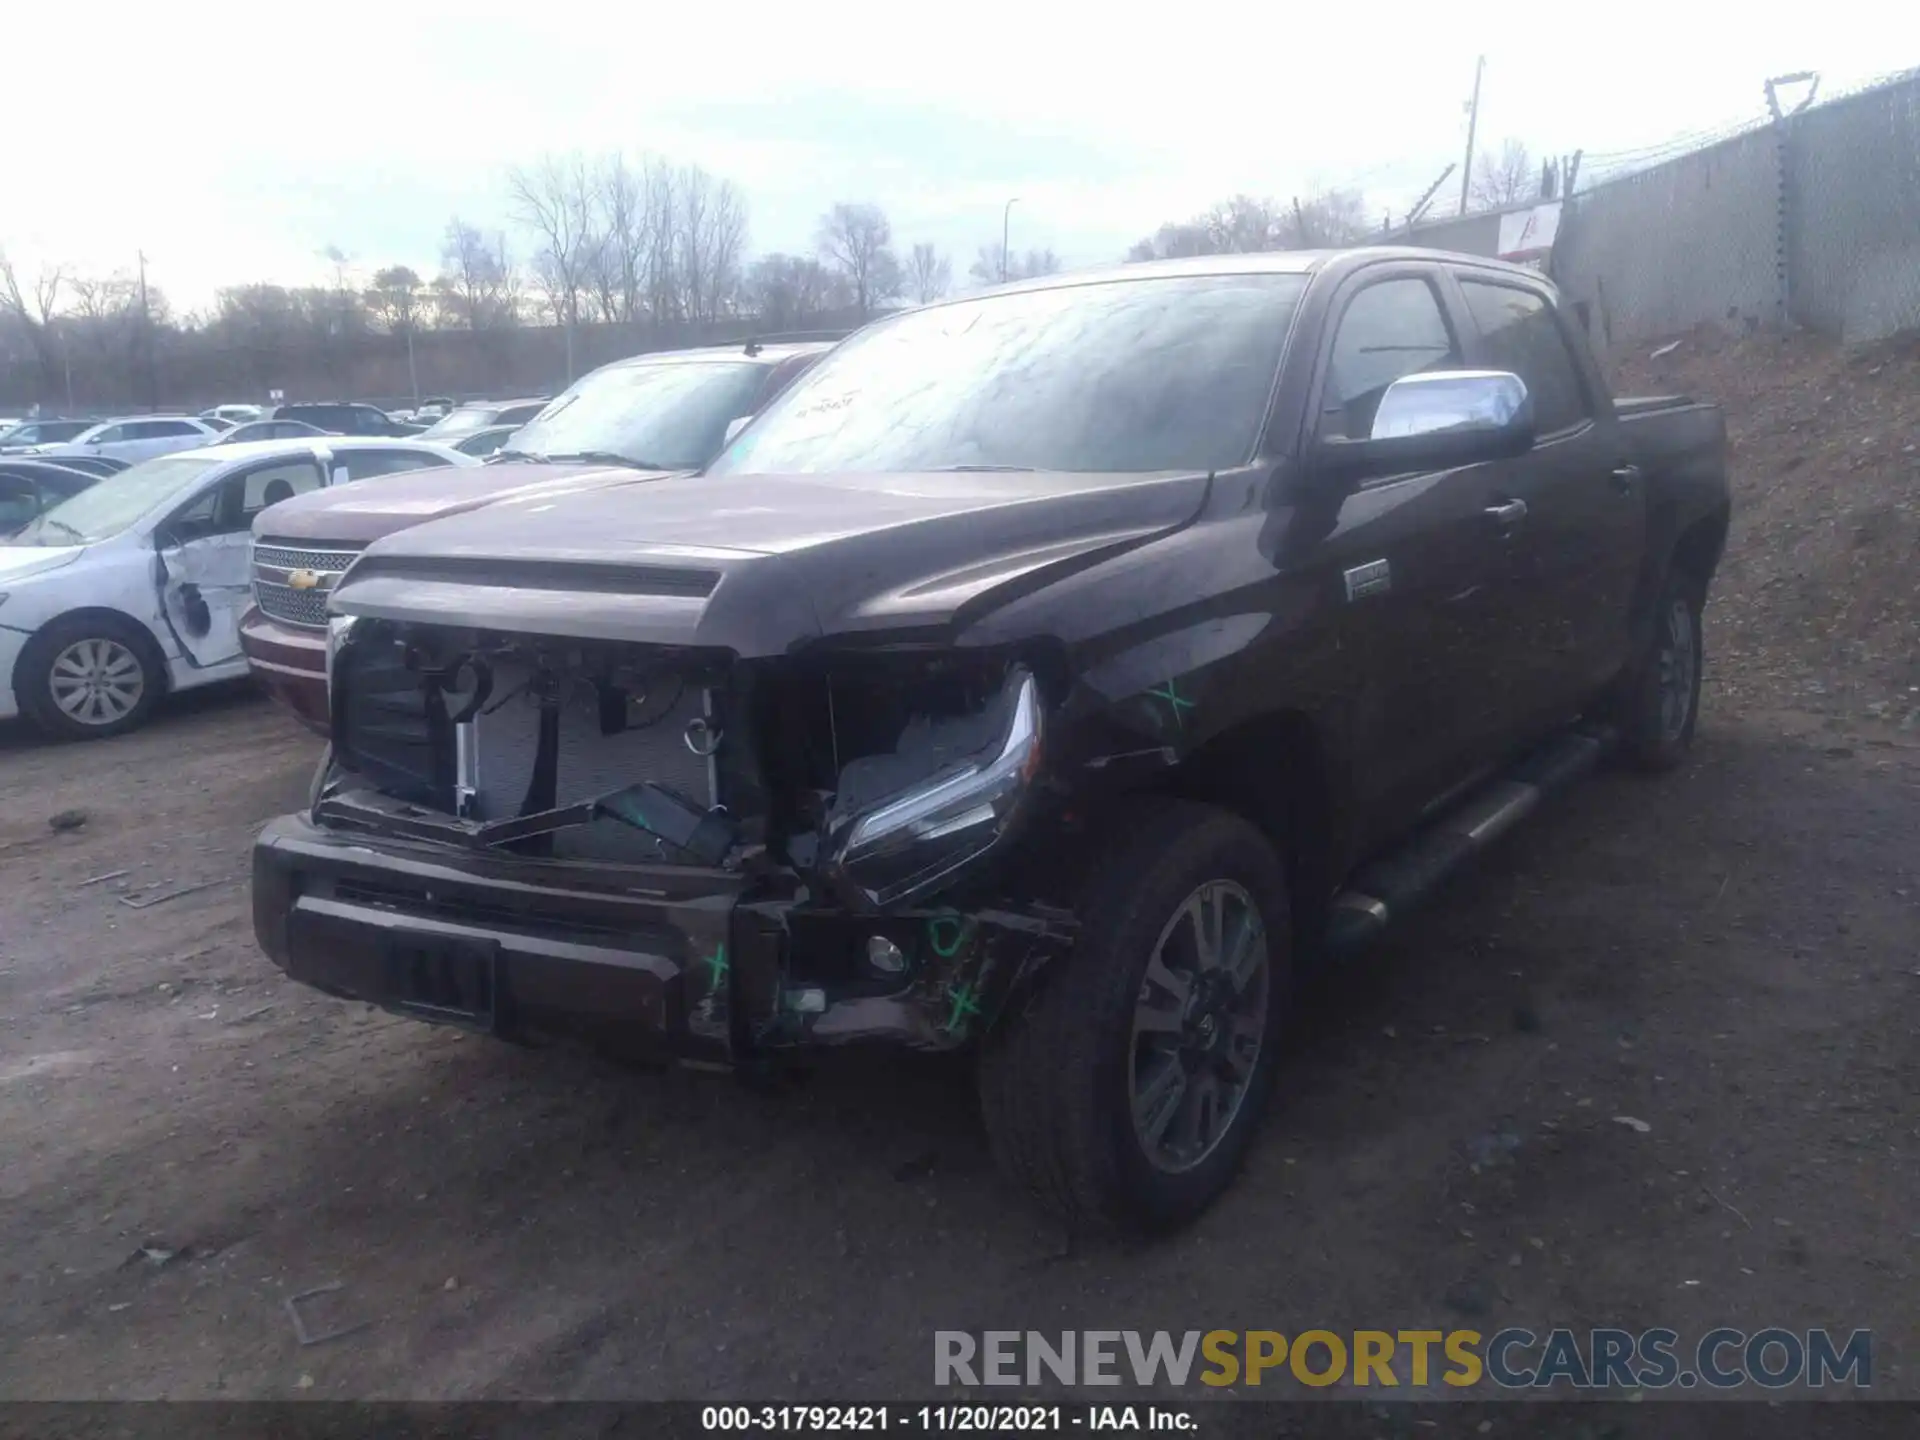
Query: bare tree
[[990, 268], [33, 311], [787, 289], [1173, 240], [1507, 180], [476, 287], [1247, 224], [556, 200], [857, 240], [617, 267], [394, 299], [711, 233], [1331, 219], [929, 273]]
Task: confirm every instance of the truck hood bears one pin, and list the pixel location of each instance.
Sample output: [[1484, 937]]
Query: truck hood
[[762, 564], [366, 510]]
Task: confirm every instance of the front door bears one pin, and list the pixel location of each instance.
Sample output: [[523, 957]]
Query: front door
[[205, 575]]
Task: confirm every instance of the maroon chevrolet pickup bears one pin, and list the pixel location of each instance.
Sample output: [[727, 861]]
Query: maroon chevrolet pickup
[[627, 423]]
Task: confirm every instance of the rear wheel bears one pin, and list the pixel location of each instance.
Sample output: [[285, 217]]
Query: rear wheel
[[1126, 1093], [1660, 702], [89, 677]]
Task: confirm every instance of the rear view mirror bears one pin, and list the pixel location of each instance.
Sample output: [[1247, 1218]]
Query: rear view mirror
[[734, 427], [1437, 419]]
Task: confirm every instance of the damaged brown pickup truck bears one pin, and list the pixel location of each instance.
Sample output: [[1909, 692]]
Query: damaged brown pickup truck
[[1052, 673]]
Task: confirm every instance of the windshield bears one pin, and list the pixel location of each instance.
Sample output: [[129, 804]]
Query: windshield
[[672, 415], [106, 509], [1159, 373], [463, 421]]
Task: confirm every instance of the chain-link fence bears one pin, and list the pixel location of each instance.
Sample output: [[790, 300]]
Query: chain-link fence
[[1812, 219]]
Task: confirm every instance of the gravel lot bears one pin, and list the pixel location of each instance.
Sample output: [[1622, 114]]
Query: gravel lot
[[1726, 955]]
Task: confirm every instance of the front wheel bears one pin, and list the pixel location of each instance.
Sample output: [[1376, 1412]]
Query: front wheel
[[1124, 1096], [1661, 701], [88, 678]]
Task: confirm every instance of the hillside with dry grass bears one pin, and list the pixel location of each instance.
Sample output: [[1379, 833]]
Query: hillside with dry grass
[[1818, 601]]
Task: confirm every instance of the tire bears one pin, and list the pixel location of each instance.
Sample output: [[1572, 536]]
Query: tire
[[1059, 1080], [1659, 702], [62, 660]]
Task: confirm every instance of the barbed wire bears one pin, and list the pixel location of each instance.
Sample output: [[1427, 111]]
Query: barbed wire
[[1599, 167]]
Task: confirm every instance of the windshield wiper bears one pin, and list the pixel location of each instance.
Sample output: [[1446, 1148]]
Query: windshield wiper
[[991, 469], [613, 457], [499, 455]]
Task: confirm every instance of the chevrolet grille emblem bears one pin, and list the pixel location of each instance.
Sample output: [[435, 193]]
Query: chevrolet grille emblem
[[302, 579]]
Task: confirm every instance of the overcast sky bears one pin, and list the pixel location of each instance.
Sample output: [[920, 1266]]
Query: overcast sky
[[236, 143]]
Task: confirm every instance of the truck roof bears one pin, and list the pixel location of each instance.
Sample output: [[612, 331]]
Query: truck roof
[[1262, 262]]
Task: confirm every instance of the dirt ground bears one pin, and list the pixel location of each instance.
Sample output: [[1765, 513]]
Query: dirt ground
[[1726, 955]]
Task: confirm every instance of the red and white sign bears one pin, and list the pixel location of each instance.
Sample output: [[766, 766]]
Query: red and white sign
[[1526, 236]]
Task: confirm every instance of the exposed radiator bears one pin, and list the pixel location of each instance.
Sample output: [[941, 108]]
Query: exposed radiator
[[506, 743]]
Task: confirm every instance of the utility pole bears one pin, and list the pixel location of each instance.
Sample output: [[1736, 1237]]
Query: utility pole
[[1473, 123], [1006, 214], [146, 336]]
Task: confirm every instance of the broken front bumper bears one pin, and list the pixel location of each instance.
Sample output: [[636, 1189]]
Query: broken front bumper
[[679, 961]]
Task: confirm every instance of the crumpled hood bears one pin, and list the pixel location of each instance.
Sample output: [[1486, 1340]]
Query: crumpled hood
[[365, 510], [761, 564]]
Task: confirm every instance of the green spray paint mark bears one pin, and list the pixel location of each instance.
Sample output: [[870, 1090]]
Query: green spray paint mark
[[965, 1004], [716, 964], [947, 949], [1176, 702]]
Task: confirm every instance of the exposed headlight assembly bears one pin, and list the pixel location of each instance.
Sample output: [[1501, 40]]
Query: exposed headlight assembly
[[896, 850]]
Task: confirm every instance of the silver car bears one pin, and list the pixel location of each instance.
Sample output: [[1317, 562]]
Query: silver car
[[139, 437]]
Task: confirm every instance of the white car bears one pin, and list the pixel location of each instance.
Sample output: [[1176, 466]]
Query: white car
[[138, 437], [135, 586], [235, 414]]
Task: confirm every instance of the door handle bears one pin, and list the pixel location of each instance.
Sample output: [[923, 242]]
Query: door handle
[[1512, 512], [1624, 477]]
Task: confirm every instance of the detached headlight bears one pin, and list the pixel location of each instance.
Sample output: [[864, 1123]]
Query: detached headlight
[[897, 850]]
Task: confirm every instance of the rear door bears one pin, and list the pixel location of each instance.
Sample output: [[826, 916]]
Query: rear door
[[147, 438], [203, 548], [1419, 563], [1575, 555]]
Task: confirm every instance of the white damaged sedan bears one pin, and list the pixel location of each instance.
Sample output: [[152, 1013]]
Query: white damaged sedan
[[135, 586]]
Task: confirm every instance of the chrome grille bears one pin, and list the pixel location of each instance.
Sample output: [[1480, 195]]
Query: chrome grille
[[290, 606], [278, 600]]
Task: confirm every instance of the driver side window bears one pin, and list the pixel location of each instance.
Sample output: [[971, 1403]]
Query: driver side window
[[1391, 329]]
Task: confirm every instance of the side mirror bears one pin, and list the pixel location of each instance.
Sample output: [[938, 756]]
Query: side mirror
[[1434, 420], [734, 427]]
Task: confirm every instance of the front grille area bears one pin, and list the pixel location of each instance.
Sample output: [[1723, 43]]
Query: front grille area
[[290, 606], [388, 734], [303, 606]]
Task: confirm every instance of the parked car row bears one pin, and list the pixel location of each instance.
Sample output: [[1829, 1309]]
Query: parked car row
[[134, 585]]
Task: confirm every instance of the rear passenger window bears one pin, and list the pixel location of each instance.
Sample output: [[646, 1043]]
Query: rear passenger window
[[1390, 329], [1518, 332], [271, 484]]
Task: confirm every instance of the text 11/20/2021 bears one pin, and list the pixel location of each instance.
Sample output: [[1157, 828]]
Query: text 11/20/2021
[[943, 1419]]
